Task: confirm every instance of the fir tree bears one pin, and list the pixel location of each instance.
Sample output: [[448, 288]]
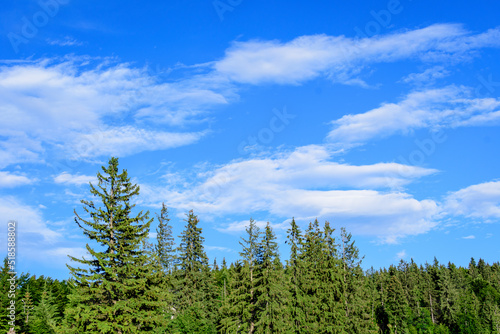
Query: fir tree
[[116, 289]]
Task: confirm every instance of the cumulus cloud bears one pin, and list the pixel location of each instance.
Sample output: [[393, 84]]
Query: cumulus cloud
[[432, 108], [341, 58]]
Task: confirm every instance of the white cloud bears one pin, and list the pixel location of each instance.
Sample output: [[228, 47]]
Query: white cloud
[[241, 226], [218, 248], [66, 41], [61, 253], [469, 237], [401, 255], [306, 184], [54, 105], [29, 219], [426, 77], [341, 58], [77, 180], [9, 180], [477, 201], [128, 140], [432, 108]]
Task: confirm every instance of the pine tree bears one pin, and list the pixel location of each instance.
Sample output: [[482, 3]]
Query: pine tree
[[165, 241], [116, 290]]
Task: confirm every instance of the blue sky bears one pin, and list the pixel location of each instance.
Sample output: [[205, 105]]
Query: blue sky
[[381, 117]]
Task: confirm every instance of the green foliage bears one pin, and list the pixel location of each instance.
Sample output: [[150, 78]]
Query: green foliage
[[165, 241], [195, 290], [45, 316], [117, 289]]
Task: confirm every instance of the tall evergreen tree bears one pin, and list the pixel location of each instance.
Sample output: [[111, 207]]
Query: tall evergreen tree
[[294, 271], [116, 289], [355, 289], [270, 289], [195, 290], [165, 241]]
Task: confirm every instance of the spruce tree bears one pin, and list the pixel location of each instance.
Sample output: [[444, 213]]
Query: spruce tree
[[294, 271], [4, 296], [195, 289], [45, 314], [116, 288], [165, 241], [270, 289], [310, 280], [355, 289]]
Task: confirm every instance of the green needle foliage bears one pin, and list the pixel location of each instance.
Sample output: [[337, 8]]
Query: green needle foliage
[[114, 289], [165, 246], [195, 288]]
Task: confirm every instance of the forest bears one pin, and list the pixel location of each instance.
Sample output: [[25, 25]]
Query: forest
[[128, 285]]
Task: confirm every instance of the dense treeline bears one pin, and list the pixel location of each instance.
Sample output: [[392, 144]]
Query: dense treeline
[[130, 286]]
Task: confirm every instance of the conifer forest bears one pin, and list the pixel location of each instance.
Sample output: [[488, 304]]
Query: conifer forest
[[128, 285]]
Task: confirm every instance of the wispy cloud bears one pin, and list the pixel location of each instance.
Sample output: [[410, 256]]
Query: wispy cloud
[[77, 180], [478, 201], [66, 41], [432, 108], [401, 255], [469, 237], [9, 180], [341, 58], [429, 76], [31, 224], [67, 105]]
